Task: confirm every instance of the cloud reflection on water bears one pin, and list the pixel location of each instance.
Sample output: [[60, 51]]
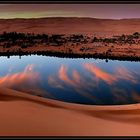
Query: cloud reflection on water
[[89, 83], [120, 73], [26, 81], [76, 82], [90, 88]]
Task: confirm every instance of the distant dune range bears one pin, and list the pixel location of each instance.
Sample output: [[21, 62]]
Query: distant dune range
[[71, 25]]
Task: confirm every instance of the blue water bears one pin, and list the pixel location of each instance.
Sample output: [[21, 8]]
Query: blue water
[[84, 81]]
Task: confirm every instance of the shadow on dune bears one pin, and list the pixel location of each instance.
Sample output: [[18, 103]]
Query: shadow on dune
[[122, 116], [4, 97], [7, 98]]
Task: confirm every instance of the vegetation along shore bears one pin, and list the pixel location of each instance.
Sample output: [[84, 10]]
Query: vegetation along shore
[[121, 47]]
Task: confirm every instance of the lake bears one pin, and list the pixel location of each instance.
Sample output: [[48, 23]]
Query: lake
[[84, 81]]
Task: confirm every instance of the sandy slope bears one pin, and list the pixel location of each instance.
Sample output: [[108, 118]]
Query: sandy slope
[[23, 114], [71, 25]]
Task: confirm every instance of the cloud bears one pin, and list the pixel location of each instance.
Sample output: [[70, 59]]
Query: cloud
[[108, 78], [63, 76], [88, 85], [53, 82], [123, 73], [76, 76], [120, 73], [76, 82], [119, 96], [19, 78], [26, 81]]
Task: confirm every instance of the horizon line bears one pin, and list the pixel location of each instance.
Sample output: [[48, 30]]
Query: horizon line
[[68, 17]]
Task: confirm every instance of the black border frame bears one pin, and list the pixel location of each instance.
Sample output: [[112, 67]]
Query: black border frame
[[70, 2]]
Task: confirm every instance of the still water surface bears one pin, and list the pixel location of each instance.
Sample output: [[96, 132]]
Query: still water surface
[[84, 81]]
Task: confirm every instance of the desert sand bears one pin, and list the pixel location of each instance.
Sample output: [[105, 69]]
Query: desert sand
[[89, 27], [71, 25], [22, 114], [67, 26]]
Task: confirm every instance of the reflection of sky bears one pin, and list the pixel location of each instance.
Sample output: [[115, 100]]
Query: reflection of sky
[[86, 81]]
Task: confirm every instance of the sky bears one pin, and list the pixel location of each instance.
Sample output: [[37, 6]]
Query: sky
[[104, 11]]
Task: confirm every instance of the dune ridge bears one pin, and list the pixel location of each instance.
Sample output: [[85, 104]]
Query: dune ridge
[[27, 115], [71, 25]]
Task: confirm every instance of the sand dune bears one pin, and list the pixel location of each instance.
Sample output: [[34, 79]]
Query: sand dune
[[71, 25], [27, 115]]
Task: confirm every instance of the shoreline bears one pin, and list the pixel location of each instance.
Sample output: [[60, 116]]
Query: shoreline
[[122, 47], [71, 55]]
